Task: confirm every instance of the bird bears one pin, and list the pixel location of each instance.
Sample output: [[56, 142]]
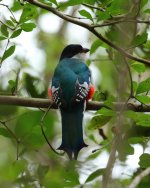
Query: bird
[[70, 89]]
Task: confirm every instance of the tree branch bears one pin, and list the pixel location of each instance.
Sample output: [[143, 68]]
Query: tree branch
[[108, 171], [139, 177], [121, 21], [45, 103], [88, 27]]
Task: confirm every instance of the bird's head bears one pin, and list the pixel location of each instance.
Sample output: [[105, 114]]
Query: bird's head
[[73, 51]]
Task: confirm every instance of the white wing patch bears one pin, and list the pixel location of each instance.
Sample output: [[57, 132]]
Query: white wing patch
[[82, 91], [55, 94]]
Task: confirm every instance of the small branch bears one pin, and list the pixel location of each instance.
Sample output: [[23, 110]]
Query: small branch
[[93, 7], [10, 131], [7, 25], [45, 103], [58, 13], [44, 135], [88, 27], [121, 21], [121, 50], [139, 178], [77, 17], [9, 11], [13, 135], [112, 157], [130, 76]]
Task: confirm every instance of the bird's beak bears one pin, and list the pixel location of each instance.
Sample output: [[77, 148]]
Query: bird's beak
[[85, 50]]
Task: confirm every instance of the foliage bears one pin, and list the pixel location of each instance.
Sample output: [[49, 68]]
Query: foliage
[[25, 155]]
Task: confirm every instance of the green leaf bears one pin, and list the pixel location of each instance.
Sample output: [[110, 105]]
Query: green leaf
[[138, 67], [124, 149], [68, 3], [144, 160], [94, 175], [118, 7], [106, 112], [16, 33], [109, 102], [28, 26], [98, 121], [143, 99], [28, 13], [71, 177], [104, 15], [10, 23], [27, 123], [96, 44], [136, 140], [12, 83], [5, 132], [2, 38], [86, 14], [147, 11], [143, 3], [12, 19], [141, 119], [143, 86], [16, 6], [4, 30], [54, 2], [8, 52], [35, 86], [140, 39], [135, 85], [144, 123]]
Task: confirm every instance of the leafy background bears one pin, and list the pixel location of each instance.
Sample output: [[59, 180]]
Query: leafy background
[[28, 56]]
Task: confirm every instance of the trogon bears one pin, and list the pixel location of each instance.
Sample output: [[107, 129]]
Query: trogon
[[70, 89]]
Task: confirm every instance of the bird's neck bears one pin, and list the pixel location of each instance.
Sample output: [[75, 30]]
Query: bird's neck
[[81, 56]]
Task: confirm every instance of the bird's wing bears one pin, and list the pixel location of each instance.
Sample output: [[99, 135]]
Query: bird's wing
[[71, 83], [82, 86], [55, 92]]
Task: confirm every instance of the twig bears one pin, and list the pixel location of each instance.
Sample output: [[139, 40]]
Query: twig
[[9, 11], [95, 150], [108, 170], [41, 126], [88, 27], [140, 101], [93, 7], [13, 135], [76, 17], [9, 130], [139, 177], [7, 25], [14, 117], [121, 50], [121, 21], [130, 76], [45, 103], [102, 134]]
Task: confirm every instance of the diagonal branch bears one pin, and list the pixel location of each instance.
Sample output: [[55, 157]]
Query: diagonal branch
[[108, 23], [45, 103], [139, 178], [88, 27]]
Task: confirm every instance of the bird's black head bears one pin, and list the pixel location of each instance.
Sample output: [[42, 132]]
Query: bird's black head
[[72, 50]]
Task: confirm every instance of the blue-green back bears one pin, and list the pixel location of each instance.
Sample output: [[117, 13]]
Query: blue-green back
[[66, 74]]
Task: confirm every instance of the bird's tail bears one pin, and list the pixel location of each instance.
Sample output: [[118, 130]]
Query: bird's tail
[[72, 133]]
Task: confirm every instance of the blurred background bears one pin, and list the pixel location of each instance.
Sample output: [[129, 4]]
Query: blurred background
[[25, 158]]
